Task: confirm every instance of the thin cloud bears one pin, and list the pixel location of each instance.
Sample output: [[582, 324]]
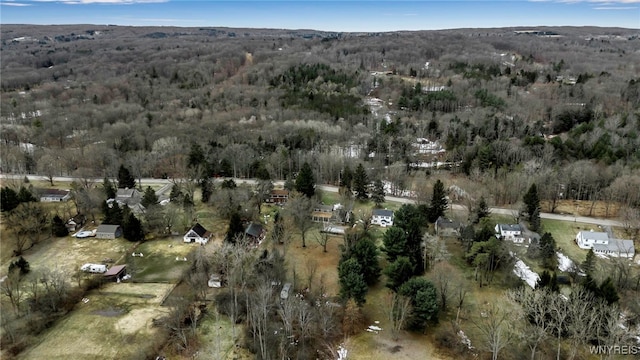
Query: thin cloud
[[5, 3], [159, 20], [105, 2], [615, 8]]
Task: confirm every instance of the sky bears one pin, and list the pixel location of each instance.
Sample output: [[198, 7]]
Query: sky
[[341, 16]]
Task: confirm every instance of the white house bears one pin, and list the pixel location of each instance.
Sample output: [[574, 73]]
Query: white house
[[511, 232], [603, 245], [586, 239], [54, 195], [382, 217], [197, 234]]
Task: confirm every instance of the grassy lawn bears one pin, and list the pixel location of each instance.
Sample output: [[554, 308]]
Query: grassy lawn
[[114, 324], [162, 260], [564, 232]]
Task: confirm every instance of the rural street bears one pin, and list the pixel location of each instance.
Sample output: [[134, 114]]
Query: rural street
[[334, 189]]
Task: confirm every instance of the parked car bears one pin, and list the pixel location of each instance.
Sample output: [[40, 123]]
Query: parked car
[[85, 234]]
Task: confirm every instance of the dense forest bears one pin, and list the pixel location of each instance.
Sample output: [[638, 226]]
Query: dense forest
[[507, 108]]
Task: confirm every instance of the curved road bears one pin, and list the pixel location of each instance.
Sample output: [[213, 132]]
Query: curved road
[[334, 189]]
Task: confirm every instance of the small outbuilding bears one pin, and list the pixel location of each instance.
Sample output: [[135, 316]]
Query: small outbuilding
[[116, 273], [106, 231], [53, 195]]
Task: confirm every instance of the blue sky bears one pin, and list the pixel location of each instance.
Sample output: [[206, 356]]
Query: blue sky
[[363, 15]]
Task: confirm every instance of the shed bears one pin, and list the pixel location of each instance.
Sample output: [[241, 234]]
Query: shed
[[106, 231], [116, 273]]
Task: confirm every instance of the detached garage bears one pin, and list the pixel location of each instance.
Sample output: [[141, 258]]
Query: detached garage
[[106, 231]]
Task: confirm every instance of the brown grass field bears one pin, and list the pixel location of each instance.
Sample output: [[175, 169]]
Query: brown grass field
[[114, 324]]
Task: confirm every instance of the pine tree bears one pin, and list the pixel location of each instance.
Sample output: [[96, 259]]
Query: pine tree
[[125, 179], [206, 187], [108, 188], [398, 272], [548, 251], [589, 264], [58, 227], [366, 253], [149, 198], [305, 181], [346, 178], [8, 199], [196, 156], [132, 229], [482, 211], [352, 284], [532, 207], [360, 183], [378, 193], [439, 202], [235, 228], [24, 195], [176, 194]]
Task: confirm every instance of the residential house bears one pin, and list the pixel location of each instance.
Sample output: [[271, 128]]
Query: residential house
[[278, 197], [447, 227], [382, 217], [75, 223], [511, 232], [197, 234], [128, 196], [602, 244], [586, 239], [322, 213], [106, 231], [255, 232], [53, 195], [215, 281]]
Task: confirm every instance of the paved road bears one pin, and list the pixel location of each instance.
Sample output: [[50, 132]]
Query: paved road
[[334, 189]]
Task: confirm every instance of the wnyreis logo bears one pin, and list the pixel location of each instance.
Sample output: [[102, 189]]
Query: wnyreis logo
[[615, 350]]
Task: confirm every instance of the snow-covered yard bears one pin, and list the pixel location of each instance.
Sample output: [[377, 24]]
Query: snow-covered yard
[[564, 263], [525, 273]]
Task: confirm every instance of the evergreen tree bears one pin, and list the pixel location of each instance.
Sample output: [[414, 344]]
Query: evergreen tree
[[125, 179], [378, 193], [366, 253], [305, 181], [398, 272], [113, 214], [532, 207], [589, 264], [235, 228], [548, 251], [395, 243], [176, 194], [196, 156], [346, 178], [424, 302], [207, 189], [108, 188], [8, 199], [439, 202], [289, 184], [361, 183], [409, 219], [228, 184], [608, 292], [132, 228], [482, 211], [149, 198], [24, 195], [352, 284], [58, 227], [21, 264]]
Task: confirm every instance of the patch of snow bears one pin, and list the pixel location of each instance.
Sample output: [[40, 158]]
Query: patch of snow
[[525, 273], [465, 339], [342, 352], [564, 263]]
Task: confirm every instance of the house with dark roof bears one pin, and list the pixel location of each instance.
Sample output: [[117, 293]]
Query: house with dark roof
[[197, 234], [447, 227], [106, 231], [382, 217], [116, 273], [278, 196], [53, 195], [255, 232]]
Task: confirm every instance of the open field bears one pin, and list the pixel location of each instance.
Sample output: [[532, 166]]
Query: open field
[[565, 233], [116, 323], [163, 260]]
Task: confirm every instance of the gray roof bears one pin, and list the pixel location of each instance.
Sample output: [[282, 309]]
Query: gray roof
[[510, 227], [443, 222], [106, 228], [594, 235], [616, 245], [127, 193], [254, 229], [324, 208], [382, 212]]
